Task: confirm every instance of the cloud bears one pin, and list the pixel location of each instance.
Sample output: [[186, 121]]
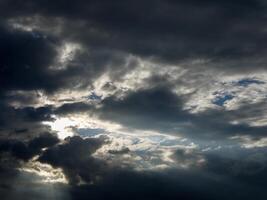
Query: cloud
[[162, 110], [74, 157], [26, 151], [25, 60], [138, 73], [225, 33], [122, 151]]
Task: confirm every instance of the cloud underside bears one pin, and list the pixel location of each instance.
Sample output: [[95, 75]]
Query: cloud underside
[[177, 88]]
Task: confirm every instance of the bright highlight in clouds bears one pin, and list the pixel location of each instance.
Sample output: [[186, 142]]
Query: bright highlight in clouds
[[133, 99], [62, 126]]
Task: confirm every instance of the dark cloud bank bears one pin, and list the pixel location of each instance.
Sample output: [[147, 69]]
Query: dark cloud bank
[[225, 175], [228, 35]]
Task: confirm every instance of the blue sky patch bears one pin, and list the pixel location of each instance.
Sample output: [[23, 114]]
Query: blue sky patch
[[220, 100], [89, 132], [93, 96], [247, 82]]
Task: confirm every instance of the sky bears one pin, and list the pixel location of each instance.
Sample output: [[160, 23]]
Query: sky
[[123, 99]]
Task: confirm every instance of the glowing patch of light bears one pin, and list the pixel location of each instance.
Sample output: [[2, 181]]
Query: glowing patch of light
[[148, 150], [47, 173], [248, 142], [62, 126], [67, 53]]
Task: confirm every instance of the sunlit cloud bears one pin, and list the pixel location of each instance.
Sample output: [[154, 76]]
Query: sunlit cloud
[[102, 100], [45, 172]]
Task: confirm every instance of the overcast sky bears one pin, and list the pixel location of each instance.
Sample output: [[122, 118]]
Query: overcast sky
[[123, 99]]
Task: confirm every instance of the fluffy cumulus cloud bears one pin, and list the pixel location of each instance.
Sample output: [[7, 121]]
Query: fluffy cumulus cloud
[[122, 99]]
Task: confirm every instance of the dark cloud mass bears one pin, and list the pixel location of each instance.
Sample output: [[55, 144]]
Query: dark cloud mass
[[77, 162], [123, 99], [172, 31]]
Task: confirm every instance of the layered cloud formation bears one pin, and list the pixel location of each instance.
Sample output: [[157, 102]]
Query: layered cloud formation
[[138, 100]]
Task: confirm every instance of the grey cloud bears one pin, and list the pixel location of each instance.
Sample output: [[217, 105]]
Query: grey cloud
[[76, 160], [26, 150], [120, 152], [227, 33], [162, 110], [213, 37]]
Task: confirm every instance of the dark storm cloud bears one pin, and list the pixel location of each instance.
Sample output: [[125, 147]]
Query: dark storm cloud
[[171, 184], [27, 61], [16, 184], [14, 153], [156, 102], [24, 61], [223, 32], [75, 158], [23, 121], [26, 150], [70, 108], [42, 141], [223, 174], [244, 164], [246, 167], [229, 36], [160, 109], [219, 178]]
